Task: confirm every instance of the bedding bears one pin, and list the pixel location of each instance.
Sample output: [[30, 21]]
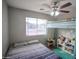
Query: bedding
[[33, 41], [32, 51], [20, 44], [26, 43]]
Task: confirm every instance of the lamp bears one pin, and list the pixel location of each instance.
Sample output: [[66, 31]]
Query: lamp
[[54, 13]]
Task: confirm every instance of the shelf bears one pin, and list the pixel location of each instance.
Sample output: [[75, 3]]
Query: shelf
[[66, 46], [69, 47]]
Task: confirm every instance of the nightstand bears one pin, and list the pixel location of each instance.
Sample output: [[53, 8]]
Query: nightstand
[[50, 43]]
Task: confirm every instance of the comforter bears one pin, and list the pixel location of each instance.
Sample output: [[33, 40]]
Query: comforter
[[33, 51]]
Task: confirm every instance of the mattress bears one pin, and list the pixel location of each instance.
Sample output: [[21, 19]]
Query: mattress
[[32, 51]]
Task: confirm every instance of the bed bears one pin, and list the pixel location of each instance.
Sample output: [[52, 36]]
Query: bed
[[31, 50]]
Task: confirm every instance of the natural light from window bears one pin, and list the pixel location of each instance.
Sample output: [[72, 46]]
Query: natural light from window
[[35, 26]]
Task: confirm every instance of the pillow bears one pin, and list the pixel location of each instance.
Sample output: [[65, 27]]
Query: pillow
[[25, 43], [20, 44], [33, 41]]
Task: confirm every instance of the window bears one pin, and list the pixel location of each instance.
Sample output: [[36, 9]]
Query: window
[[35, 26]]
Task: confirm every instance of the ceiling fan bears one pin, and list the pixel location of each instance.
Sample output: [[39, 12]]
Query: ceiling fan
[[55, 9]]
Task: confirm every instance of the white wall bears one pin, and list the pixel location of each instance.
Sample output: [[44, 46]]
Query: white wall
[[17, 25], [5, 41]]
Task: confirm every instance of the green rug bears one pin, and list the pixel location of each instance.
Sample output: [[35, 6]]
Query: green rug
[[63, 54]]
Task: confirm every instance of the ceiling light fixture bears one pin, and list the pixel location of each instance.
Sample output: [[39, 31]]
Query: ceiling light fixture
[[54, 13]]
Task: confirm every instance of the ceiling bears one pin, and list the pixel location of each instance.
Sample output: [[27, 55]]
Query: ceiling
[[35, 5]]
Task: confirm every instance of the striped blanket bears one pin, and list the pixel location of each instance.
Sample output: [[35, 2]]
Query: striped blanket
[[33, 51]]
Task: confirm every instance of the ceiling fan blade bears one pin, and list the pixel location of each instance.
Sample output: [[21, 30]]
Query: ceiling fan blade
[[46, 5], [66, 5], [64, 11]]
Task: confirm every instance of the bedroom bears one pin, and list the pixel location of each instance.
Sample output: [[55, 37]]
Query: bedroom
[[29, 23]]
